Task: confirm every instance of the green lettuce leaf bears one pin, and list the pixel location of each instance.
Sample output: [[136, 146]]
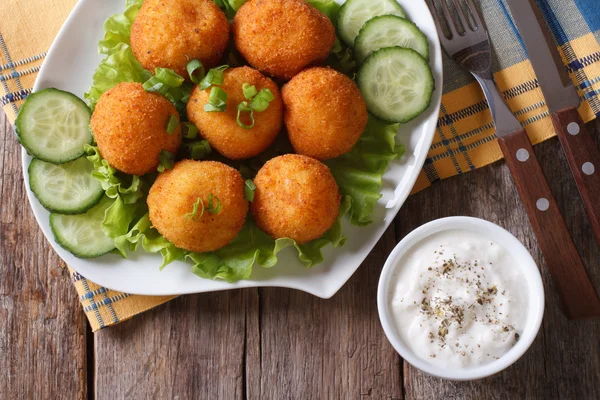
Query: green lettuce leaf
[[120, 64], [252, 246], [114, 183], [327, 7], [151, 241], [359, 173]]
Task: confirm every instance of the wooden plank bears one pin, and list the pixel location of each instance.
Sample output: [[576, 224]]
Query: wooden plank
[[564, 361], [191, 348], [312, 348], [42, 325]]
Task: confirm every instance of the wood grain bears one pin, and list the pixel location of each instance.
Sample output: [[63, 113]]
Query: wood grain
[[42, 325], [564, 360], [580, 149], [191, 348], [328, 349], [569, 276]]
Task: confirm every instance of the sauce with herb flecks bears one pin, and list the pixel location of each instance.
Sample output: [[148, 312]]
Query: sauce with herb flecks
[[459, 299]]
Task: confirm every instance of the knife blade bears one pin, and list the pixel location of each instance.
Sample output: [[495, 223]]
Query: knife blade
[[562, 99], [547, 63]]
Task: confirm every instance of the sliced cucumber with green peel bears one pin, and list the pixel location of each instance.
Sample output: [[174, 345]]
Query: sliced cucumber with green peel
[[354, 14], [389, 31], [65, 188], [82, 234], [396, 83], [53, 126]]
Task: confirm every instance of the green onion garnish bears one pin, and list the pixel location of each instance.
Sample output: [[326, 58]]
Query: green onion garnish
[[249, 91], [197, 150], [167, 160], [213, 77], [243, 107], [261, 101], [217, 100], [163, 80], [194, 216], [195, 70], [213, 208], [189, 130], [249, 189], [172, 125]]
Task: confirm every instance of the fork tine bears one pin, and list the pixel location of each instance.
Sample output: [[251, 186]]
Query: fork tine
[[449, 21], [474, 13], [460, 12], [436, 20]]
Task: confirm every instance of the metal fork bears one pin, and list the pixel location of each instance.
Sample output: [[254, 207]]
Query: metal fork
[[467, 42]]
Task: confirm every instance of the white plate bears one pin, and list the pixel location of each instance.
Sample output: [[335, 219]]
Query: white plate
[[70, 64]]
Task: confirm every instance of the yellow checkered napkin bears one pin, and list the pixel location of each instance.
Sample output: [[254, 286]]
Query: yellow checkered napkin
[[465, 137]]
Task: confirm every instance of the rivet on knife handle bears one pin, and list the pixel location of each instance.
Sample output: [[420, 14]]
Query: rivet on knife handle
[[570, 279], [584, 159]]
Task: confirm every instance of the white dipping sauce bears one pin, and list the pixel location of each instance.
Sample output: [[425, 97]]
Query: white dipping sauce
[[458, 299]]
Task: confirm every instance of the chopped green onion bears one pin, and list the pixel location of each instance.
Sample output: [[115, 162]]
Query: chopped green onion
[[172, 125], [197, 150], [243, 107], [249, 91], [216, 208], [195, 70], [246, 171], [167, 160], [249, 189], [163, 80], [189, 130], [194, 216], [261, 101], [213, 77], [217, 100]]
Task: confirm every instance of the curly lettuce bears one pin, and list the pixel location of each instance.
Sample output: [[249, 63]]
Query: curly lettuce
[[358, 173]]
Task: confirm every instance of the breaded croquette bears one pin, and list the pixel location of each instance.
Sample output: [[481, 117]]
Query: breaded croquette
[[169, 33], [221, 129], [198, 205], [325, 113], [130, 127], [296, 197], [282, 37]]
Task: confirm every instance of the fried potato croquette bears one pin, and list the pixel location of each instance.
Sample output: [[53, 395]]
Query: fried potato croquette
[[130, 127], [221, 129], [325, 113], [169, 33], [282, 37], [296, 197], [183, 205]]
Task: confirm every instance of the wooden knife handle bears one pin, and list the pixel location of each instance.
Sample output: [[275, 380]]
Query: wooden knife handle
[[584, 159], [571, 281]]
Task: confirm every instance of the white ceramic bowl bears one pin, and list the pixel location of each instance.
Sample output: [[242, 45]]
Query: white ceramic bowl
[[502, 238]]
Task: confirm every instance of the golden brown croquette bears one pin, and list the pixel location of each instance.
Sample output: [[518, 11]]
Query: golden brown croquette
[[325, 113], [221, 129], [296, 197], [130, 127], [169, 33], [177, 192], [282, 37]]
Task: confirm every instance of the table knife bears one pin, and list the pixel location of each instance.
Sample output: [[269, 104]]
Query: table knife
[[562, 100]]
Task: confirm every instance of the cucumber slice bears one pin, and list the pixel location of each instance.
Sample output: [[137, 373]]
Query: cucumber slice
[[396, 83], [389, 31], [82, 234], [354, 14], [53, 126], [66, 188]]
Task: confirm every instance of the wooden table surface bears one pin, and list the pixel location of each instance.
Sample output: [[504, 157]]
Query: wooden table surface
[[274, 343]]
